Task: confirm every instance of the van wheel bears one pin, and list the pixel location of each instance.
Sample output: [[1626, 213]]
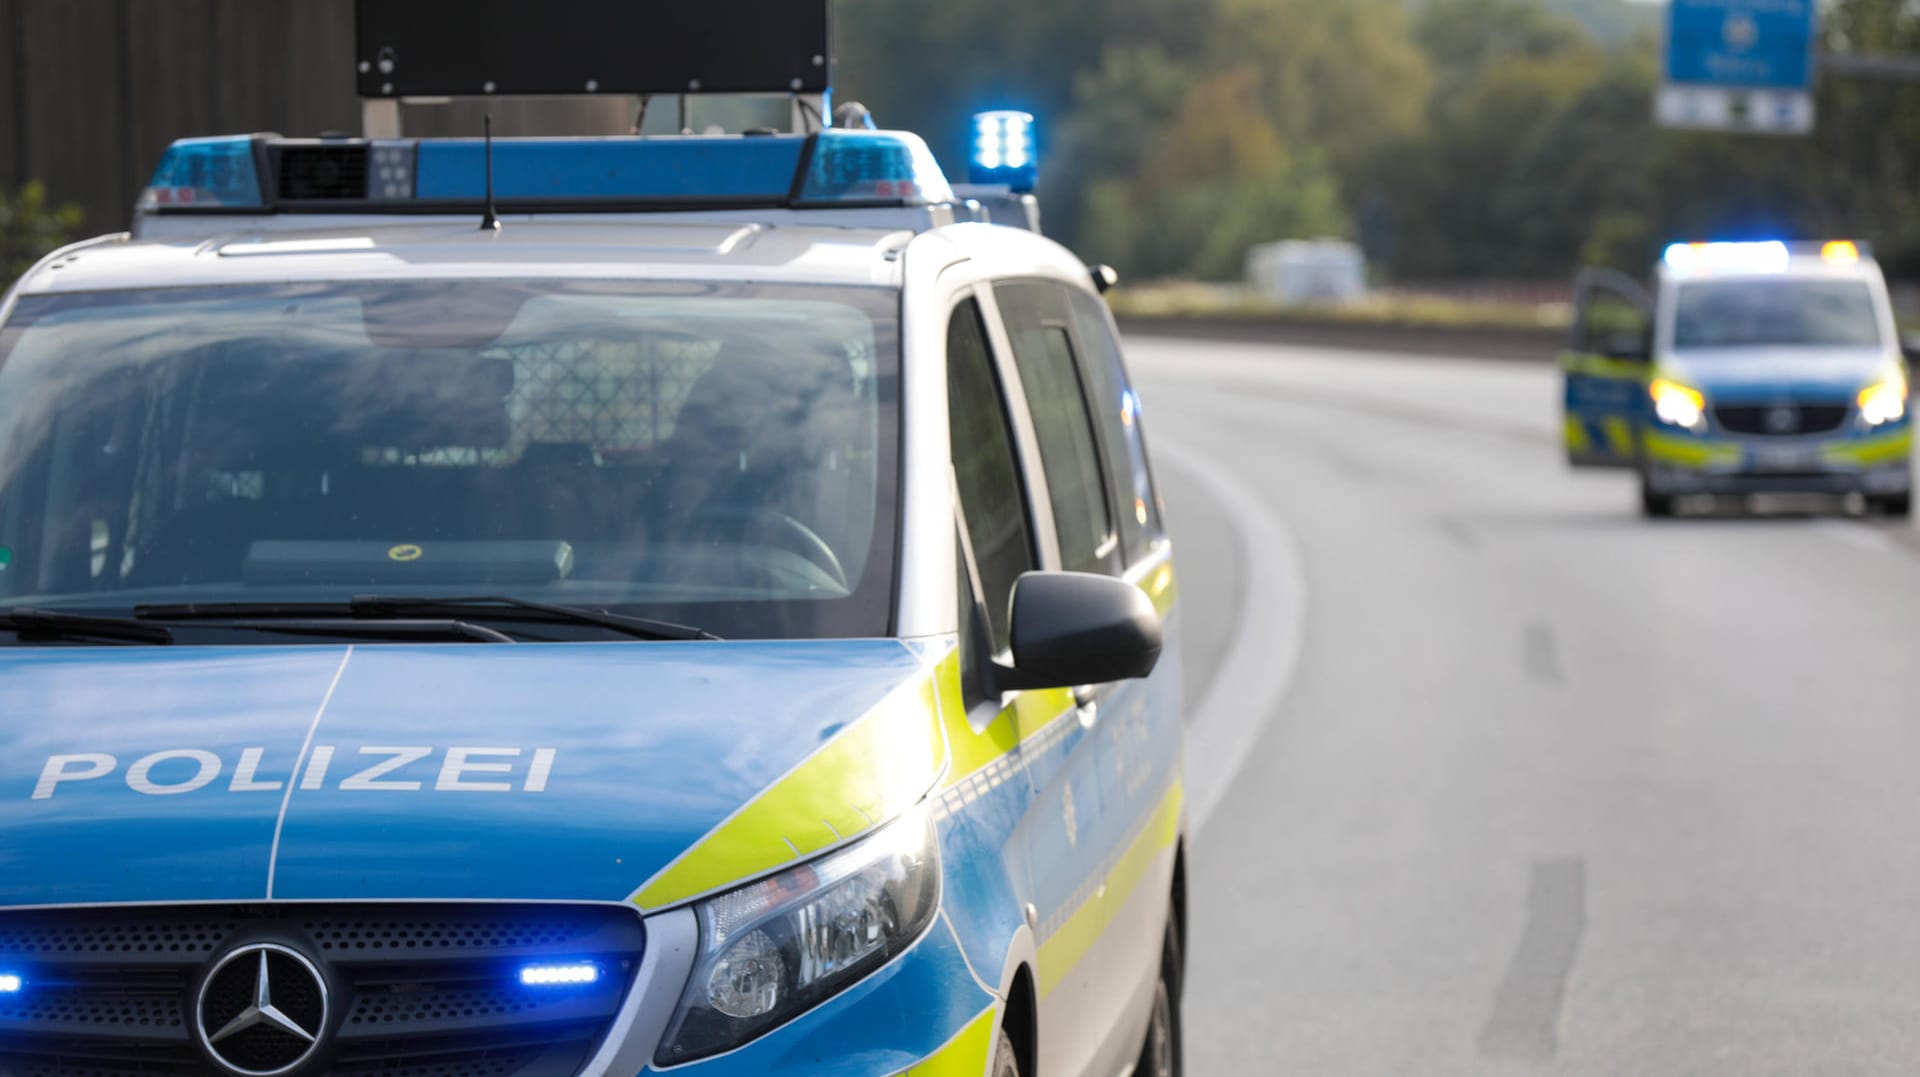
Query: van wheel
[[1006, 1060], [1653, 503], [1898, 506], [1160, 1056]]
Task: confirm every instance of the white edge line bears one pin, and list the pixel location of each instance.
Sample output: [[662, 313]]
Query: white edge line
[[299, 762], [1263, 650]]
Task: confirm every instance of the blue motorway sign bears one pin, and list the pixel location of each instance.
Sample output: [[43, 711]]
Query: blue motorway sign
[[1749, 44]]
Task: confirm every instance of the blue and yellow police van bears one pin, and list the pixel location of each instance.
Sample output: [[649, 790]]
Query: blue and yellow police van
[[1747, 368], [538, 607]]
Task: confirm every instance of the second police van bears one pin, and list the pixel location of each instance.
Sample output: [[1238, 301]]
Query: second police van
[[716, 618], [1749, 368]]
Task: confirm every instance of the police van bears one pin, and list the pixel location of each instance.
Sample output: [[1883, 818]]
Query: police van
[[1748, 368], [536, 607]]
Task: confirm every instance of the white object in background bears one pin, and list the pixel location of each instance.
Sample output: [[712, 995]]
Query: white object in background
[[1323, 272]]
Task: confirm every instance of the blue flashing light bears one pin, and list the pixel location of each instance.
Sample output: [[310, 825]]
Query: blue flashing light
[[570, 974], [10, 983], [1005, 150], [853, 166], [203, 172], [692, 170], [1771, 256]]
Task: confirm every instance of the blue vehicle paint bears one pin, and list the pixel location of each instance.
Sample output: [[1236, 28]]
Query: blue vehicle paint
[[652, 748]]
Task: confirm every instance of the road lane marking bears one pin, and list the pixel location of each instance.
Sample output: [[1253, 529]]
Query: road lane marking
[[1263, 651], [1540, 654], [1525, 1021]]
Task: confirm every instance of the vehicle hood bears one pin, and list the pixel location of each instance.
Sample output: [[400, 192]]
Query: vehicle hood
[[1765, 374], [527, 772]]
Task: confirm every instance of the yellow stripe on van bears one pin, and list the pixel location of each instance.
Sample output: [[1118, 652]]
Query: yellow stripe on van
[[1578, 441], [1064, 949], [1872, 450], [965, 1055], [879, 766]]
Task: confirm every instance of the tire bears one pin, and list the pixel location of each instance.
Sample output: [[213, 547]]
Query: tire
[[1654, 504], [1898, 506], [1161, 1055], [1006, 1060]]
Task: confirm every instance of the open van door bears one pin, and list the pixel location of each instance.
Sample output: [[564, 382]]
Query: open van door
[[1607, 367]]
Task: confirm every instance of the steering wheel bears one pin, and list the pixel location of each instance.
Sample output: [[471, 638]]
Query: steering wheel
[[804, 540]]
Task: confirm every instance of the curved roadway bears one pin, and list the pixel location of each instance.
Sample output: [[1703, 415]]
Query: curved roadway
[[1493, 776]]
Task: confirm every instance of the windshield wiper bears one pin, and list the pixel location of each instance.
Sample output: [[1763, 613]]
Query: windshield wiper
[[61, 624], [398, 608]]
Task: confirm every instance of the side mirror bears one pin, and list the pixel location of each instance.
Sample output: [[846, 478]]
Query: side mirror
[[1910, 347], [1105, 277], [1629, 347], [1074, 628]]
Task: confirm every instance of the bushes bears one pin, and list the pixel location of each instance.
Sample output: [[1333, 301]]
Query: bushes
[[30, 226]]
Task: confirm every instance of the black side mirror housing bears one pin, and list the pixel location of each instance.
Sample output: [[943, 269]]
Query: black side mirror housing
[[1910, 347], [1105, 277], [1075, 628]]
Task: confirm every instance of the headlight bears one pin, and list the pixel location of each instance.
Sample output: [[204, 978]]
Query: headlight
[[777, 948], [1885, 402], [1677, 405]]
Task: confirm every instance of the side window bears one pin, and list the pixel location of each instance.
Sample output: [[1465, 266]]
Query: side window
[[1610, 322], [992, 498], [1039, 323], [1117, 412]]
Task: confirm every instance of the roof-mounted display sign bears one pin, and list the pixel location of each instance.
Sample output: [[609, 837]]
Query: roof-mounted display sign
[[477, 48]]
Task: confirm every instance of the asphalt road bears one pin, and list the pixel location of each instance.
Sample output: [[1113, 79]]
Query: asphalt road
[[1498, 777]]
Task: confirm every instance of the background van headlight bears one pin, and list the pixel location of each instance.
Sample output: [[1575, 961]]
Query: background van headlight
[[1678, 405], [775, 949], [1884, 402]]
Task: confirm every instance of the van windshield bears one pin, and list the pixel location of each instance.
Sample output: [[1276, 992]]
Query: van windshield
[[1776, 313], [718, 455]]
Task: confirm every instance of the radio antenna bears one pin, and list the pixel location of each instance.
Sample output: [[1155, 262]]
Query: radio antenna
[[490, 222]]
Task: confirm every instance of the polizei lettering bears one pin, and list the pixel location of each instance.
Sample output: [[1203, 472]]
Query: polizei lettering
[[369, 769]]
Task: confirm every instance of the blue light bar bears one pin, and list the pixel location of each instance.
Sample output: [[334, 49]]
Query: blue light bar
[[833, 168], [571, 974], [207, 172], [611, 169], [1005, 150], [1771, 256], [889, 167], [10, 983]]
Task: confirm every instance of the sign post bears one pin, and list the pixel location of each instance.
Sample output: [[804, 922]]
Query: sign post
[[1740, 65]]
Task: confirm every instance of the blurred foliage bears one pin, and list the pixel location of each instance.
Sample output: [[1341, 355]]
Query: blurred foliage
[[30, 226], [1451, 138]]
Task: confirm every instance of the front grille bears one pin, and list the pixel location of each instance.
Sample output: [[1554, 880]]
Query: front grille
[[1782, 420], [416, 990], [322, 172]]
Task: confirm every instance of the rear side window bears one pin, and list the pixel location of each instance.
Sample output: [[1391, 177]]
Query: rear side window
[[992, 498], [1038, 320], [1117, 412]]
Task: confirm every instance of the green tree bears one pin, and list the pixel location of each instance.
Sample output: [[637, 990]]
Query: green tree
[[30, 226], [1343, 76], [1219, 179], [1505, 72]]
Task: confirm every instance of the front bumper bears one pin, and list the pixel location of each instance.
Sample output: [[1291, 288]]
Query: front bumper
[[1875, 463]]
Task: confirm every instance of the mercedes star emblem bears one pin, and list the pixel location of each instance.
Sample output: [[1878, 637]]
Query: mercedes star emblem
[[1783, 420], [262, 1010]]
